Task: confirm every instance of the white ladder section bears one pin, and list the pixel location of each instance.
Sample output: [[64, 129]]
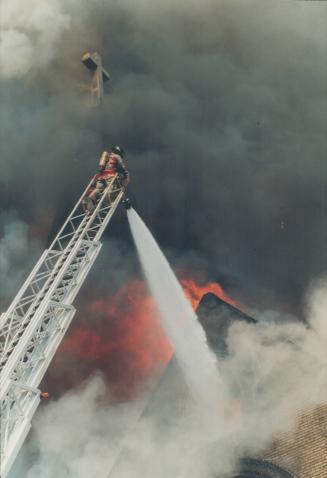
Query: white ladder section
[[36, 321]]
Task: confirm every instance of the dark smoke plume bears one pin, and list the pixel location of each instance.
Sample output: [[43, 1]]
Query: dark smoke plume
[[222, 109]]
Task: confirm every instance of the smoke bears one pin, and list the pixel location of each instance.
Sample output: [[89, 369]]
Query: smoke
[[225, 103], [222, 110], [30, 35], [273, 371], [93, 432], [96, 435], [119, 335], [277, 371], [18, 251]]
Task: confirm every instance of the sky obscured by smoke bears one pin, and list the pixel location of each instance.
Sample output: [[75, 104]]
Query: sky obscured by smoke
[[220, 107], [18, 251]]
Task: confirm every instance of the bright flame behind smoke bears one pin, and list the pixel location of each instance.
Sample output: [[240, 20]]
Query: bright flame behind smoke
[[123, 337], [273, 370], [195, 292]]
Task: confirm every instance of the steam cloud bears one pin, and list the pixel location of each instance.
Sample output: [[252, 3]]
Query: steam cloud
[[273, 371]]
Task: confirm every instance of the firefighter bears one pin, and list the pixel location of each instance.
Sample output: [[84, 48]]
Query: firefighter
[[110, 164]]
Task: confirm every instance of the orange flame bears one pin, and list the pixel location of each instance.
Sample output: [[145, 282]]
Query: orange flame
[[194, 292], [122, 336]]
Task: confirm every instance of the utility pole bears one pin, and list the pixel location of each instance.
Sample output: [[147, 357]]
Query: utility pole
[[99, 75]]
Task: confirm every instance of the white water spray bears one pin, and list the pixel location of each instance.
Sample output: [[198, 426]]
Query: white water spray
[[180, 322]]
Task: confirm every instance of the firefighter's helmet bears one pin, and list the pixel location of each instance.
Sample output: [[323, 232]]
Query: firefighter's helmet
[[118, 150]]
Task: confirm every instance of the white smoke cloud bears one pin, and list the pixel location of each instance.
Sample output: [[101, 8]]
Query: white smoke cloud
[[79, 435], [273, 371], [29, 34]]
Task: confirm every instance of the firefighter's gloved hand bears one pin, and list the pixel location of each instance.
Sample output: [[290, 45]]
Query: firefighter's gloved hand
[[125, 174]]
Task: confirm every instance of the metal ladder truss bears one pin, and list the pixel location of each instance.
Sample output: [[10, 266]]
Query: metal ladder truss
[[37, 319]]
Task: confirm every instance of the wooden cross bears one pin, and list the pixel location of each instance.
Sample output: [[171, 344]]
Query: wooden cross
[[93, 62]]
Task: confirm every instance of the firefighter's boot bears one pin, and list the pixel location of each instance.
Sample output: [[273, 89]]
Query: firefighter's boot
[[88, 205]]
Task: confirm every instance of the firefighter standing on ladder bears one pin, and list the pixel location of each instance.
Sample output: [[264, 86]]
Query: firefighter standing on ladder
[[110, 164]]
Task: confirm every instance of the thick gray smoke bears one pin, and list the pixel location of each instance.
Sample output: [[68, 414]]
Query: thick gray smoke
[[273, 372], [17, 247], [30, 35], [221, 108]]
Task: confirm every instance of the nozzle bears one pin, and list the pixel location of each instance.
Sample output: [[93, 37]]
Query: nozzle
[[127, 203]]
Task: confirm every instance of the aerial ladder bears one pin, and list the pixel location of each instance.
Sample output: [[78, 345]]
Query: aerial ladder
[[39, 316]]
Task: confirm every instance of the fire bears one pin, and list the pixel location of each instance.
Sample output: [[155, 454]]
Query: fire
[[122, 336], [195, 292]]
